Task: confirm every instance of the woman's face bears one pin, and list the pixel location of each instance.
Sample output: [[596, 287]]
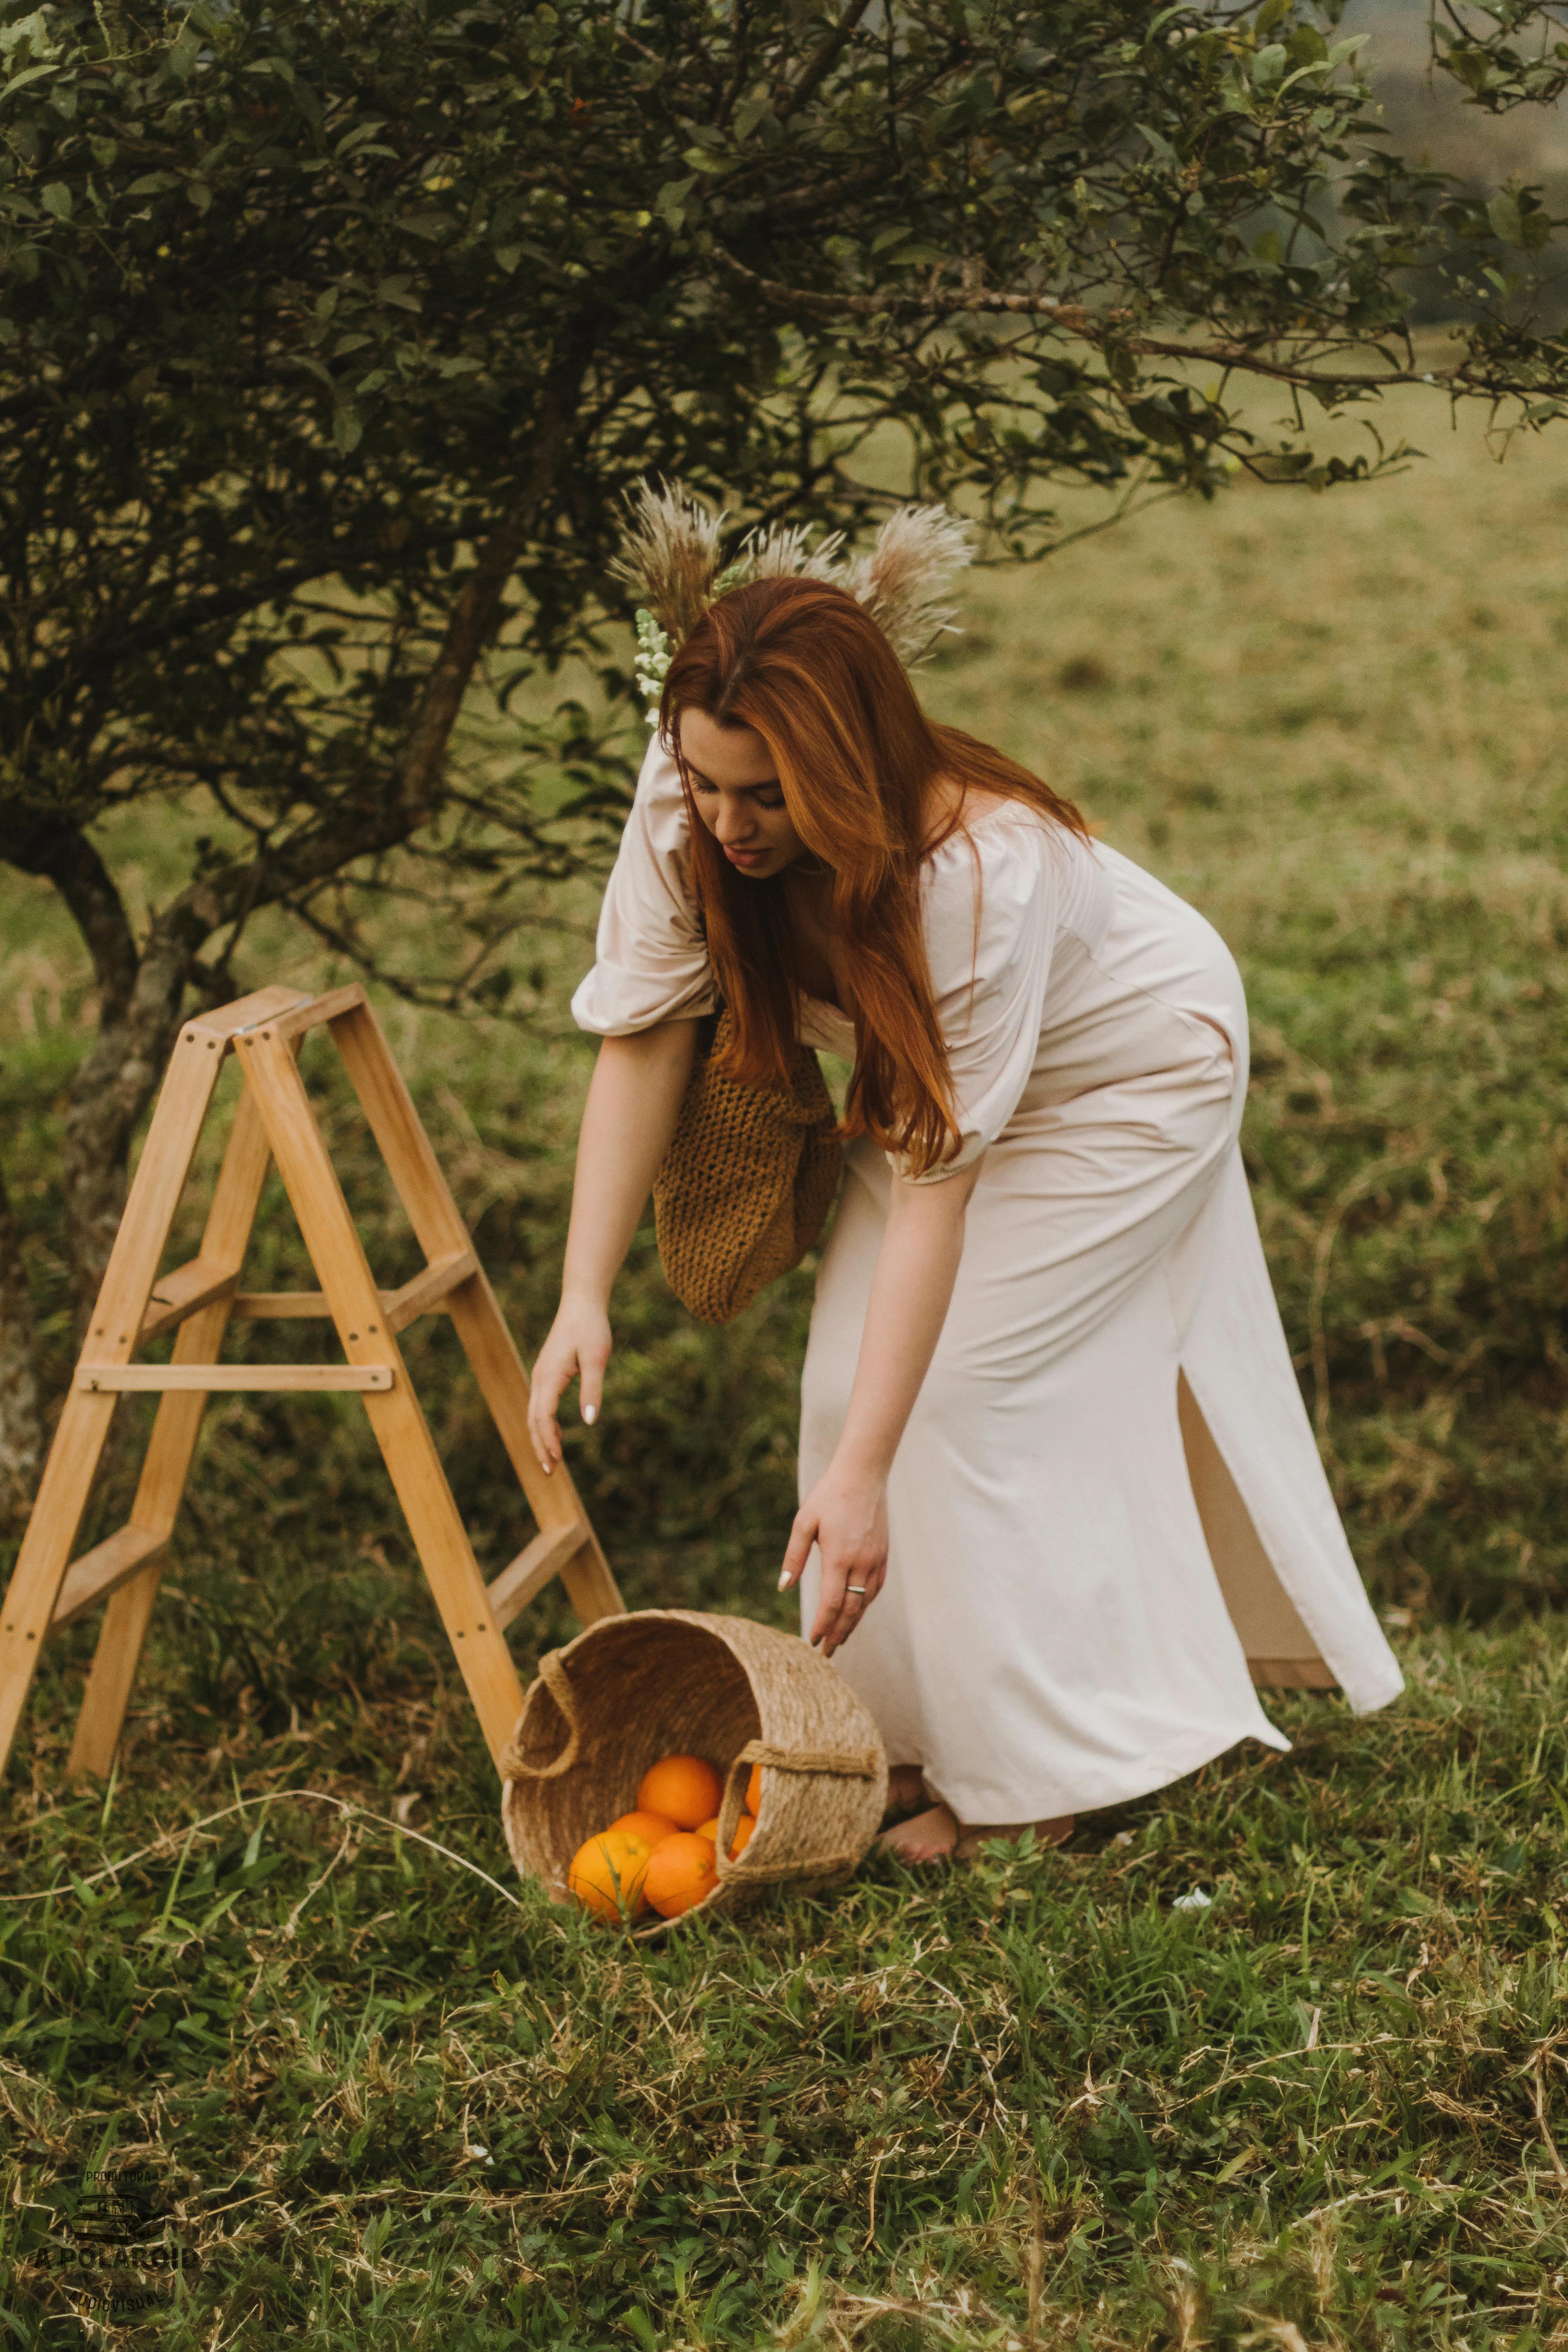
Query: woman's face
[[736, 788]]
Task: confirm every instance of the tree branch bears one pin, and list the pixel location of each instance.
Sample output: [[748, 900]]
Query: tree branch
[[65, 856], [796, 95], [1071, 315], [1095, 327]]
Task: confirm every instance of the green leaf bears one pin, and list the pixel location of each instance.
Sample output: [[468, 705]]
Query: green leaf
[[1503, 214], [670, 202], [348, 428], [57, 199], [15, 82]]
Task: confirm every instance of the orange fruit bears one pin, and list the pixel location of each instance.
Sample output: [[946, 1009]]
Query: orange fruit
[[652, 1827], [681, 1875], [607, 1874], [754, 1792], [744, 1828], [684, 1789]]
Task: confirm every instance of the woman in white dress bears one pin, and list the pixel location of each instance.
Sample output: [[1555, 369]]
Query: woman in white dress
[[1056, 1480]]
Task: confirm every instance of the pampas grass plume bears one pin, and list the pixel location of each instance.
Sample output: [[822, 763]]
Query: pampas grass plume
[[669, 554], [902, 582]]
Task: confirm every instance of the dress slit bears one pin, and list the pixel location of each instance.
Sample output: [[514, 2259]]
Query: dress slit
[[1281, 1652]]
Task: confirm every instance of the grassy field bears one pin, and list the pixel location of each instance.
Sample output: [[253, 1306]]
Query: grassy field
[[1029, 2104]]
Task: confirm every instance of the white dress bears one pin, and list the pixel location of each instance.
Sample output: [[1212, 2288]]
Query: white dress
[[1108, 1519]]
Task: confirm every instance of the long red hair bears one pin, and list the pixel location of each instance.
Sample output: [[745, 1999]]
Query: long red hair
[[805, 665]]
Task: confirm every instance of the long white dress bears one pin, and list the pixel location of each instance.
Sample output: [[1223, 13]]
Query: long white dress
[[1108, 1519]]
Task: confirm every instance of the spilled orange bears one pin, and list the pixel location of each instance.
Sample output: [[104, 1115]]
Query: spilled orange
[[679, 1874], [684, 1789], [744, 1828], [608, 1873], [652, 1827]]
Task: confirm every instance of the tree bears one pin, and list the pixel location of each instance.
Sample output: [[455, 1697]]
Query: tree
[[332, 337]]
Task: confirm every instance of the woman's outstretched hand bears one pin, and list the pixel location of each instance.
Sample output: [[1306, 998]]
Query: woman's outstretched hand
[[846, 1517], [578, 1347]]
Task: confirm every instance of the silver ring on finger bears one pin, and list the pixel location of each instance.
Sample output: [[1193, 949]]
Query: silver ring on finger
[[857, 1589]]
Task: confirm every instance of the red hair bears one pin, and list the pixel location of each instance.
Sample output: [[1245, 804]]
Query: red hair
[[806, 666]]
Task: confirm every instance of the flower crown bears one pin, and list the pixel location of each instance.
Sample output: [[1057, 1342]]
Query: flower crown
[[670, 551]]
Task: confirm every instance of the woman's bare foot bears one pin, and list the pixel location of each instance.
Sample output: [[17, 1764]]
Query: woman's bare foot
[[929, 1836], [907, 1792], [972, 1837]]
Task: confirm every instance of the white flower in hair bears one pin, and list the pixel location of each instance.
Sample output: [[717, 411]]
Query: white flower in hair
[[670, 555]]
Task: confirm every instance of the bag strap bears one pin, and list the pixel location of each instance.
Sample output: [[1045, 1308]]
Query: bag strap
[[514, 1764]]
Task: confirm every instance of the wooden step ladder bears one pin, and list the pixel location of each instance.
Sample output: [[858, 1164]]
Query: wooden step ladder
[[274, 1120]]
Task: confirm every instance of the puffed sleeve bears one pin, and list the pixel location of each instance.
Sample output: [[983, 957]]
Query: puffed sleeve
[[989, 912], [651, 958]]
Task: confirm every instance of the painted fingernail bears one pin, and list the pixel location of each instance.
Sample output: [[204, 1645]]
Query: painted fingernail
[[784, 1582], [589, 1414]]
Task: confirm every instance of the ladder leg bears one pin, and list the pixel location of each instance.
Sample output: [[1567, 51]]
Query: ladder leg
[[554, 1502], [413, 1464], [46, 1551], [199, 1340], [83, 1424], [447, 1557], [491, 1351], [158, 1497]]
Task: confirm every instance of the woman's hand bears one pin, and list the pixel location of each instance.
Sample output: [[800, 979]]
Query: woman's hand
[[846, 1516], [846, 1512], [634, 1102], [578, 1346]]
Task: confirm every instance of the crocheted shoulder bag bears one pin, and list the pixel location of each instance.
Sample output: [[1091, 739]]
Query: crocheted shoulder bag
[[748, 1180]]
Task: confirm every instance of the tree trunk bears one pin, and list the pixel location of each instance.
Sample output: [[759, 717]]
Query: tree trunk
[[142, 994], [112, 1088], [21, 1421]]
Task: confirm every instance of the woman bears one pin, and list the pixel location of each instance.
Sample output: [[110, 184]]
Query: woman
[[1057, 1479]]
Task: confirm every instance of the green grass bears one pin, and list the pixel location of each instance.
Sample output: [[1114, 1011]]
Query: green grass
[[1030, 2103], [1027, 2105]]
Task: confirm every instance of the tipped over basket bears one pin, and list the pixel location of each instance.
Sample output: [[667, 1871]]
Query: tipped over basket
[[664, 1682]]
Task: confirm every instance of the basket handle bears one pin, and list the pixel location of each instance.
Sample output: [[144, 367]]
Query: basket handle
[[514, 1765], [858, 1764]]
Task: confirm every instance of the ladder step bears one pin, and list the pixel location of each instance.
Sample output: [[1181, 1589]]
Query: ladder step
[[97, 1573], [427, 1291], [233, 1378], [221, 1026], [534, 1566], [196, 1283], [281, 1306]]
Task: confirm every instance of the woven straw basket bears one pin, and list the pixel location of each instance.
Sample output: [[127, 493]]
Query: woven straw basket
[[666, 1681]]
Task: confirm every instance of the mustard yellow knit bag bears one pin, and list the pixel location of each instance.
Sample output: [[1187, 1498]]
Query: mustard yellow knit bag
[[747, 1181]]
